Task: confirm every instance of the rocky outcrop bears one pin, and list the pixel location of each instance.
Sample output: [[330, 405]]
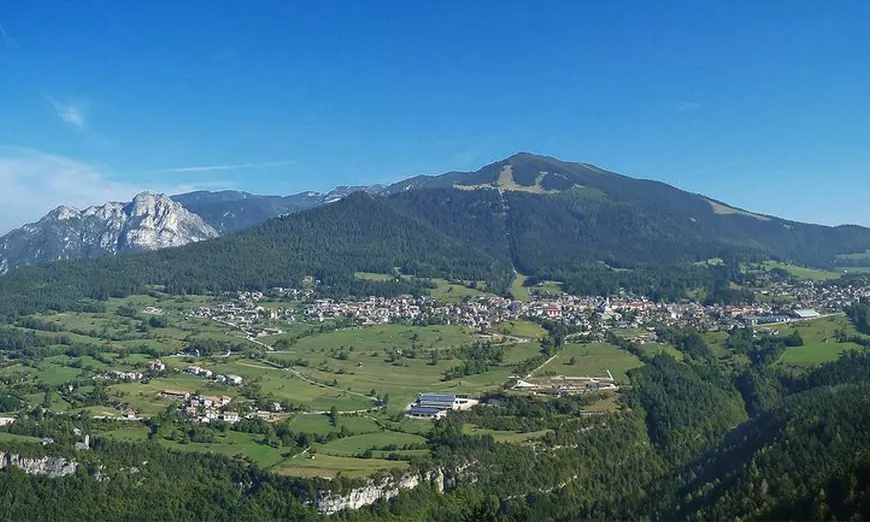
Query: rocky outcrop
[[367, 495], [149, 222], [51, 466]]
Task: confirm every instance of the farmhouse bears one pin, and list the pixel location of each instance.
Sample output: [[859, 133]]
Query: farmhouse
[[175, 394], [125, 376], [156, 366]]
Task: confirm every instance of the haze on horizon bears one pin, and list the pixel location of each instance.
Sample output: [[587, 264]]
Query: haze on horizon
[[760, 105]]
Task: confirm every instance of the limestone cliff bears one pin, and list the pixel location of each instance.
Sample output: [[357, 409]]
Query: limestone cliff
[[51, 466], [149, 222]]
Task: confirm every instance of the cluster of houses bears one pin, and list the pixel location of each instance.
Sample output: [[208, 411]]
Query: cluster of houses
[[246, 316], [432, 406], [595, 315], [293, 294], [156, 366], [484, 312], [117, 375], [153, 368], [206, 409], [208, 374]]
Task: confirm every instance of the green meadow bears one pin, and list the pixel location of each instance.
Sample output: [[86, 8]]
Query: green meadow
[[820, 343], [592, 360]]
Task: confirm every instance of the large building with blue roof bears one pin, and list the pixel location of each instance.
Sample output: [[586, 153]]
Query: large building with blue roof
[[422, 412], [436, 405]]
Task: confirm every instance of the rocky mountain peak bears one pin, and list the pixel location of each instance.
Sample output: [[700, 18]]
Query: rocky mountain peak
[[62, 213], [148, 222], [147, 203]]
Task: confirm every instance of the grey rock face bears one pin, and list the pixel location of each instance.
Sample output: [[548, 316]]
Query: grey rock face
[[51, 466], [149, 222], [371, 493]]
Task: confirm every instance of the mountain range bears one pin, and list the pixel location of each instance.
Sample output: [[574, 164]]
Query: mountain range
[[593, 229], [230, 211], [150, 222]]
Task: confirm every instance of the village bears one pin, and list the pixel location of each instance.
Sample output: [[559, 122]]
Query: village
[[592, 316]]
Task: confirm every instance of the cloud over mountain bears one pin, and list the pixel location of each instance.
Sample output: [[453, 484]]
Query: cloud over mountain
[[33, 182]]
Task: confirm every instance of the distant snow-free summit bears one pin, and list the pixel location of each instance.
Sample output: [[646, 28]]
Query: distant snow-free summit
[[149, 222]]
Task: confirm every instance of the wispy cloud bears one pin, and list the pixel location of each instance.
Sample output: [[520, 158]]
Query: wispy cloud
[[8, 42], [234, 166], [71, 113], [33, 182]]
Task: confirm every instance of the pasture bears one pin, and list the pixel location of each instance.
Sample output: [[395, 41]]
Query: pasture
[[319, 460], [400, 377], [592, 360], [522, 328], [518, 290], [357, 444], [11, 437], [653, 349], [371, 276], [513, 437], [394, 360], [450, 292], [283, 386], [820, 343], [328, 466], [385, 337], [800, 272]]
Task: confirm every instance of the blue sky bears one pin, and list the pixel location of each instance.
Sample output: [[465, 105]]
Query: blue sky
[[762, 104]]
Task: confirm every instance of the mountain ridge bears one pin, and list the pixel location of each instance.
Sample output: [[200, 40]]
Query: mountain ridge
[[624, 222]]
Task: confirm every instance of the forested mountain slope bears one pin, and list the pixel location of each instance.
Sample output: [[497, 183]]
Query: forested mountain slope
[[359, 233], [806, 459], [558, 212], [229, 211], [594, 230]]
